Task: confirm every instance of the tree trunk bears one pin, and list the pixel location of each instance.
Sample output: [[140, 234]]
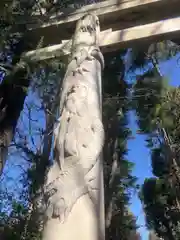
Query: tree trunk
[[13, 91], [12, 95], [73, 193]]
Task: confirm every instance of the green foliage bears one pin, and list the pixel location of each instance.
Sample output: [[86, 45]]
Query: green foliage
[[159, 202], [147, 97], [160, 165], [118, 178], [159, 51], [164, 50], [158, 113], [11, 225], [170, 107], [137, 58]]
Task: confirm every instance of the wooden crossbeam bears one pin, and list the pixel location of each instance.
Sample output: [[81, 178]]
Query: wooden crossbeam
[[113, 40], [115, 14], [101, 9]]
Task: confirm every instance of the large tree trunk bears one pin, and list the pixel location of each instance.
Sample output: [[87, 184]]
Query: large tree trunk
[[74, 189]]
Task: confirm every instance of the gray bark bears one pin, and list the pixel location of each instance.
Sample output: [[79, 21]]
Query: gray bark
[[73, 192]]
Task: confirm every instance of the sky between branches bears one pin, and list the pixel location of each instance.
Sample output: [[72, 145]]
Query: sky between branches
[[139, 153]]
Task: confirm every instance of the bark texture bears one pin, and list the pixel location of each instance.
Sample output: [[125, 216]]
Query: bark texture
[[73, 191], [13, 91]]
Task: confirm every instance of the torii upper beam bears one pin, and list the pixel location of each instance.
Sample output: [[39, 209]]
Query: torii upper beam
[[125, 22]]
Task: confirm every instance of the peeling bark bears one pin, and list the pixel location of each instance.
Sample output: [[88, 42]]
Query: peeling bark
[[73, 191]]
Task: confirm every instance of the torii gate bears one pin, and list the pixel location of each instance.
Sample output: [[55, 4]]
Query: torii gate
[[123, 23]]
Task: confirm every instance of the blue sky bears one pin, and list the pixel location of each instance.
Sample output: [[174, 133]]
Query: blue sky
[[138, 152]]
